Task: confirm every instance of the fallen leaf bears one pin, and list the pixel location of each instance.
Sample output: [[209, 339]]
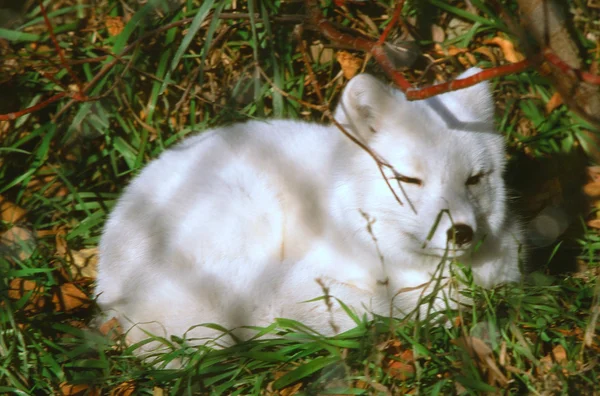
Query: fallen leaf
[[123, 389], [9, 212], [595, 223], [156, 391], [437, 34], [448, 51], [61, 242], [320, 54], [18, 240], [85, 262], [19, 287], [290, 390], [67, 389], [559, 354], [508, 49], [111, 327], [553, 103], [69, 298], [482, 354], [487, 52], [349, 63], [594, 173], [400, 360], [114, 25]]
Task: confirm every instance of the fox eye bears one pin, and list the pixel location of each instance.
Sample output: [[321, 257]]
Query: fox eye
[[409, 180], [475, 179]]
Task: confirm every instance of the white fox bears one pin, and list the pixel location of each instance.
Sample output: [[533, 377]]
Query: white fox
[[245, 223]]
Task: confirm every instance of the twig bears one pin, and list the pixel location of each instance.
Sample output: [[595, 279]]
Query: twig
[[393, 22], [57, 47]]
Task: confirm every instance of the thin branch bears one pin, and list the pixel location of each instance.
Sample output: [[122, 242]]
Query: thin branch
[[392, 23], [63, 61]]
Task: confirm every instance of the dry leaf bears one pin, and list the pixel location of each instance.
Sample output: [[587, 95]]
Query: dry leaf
[[290, 390], [554, 102], [61, 242], [114, 25], [111, 327], [403, 368], [156, 391], [85, 262], [483, 354], [595, 223], [560, 354], [437, 34], [69, 297], [594, 173], [9, 212], [592, 190], [349, 63], [545, 365], [486, 51], [124, 389], [401, 365], [320, 54], [508, 49], [449, 51], [67, 389], [19, 287], [19, 240]]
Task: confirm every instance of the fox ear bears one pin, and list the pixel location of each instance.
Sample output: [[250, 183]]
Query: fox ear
[[477, 99], [362, 104]]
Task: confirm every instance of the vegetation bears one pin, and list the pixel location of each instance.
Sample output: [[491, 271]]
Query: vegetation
[[143, 75]]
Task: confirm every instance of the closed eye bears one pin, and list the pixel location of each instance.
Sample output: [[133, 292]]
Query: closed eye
[[475, 179], [407, 179]]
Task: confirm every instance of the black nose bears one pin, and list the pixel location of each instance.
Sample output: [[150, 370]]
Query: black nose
[[460, 234]]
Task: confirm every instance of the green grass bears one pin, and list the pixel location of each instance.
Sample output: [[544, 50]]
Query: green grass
[[63, 167]]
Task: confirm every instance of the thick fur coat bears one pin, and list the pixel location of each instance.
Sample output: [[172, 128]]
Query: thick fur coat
[[243, 224]]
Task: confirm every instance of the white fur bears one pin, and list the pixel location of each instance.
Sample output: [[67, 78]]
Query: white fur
[[236, 225]]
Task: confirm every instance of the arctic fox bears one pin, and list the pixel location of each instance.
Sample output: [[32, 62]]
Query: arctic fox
[[246, 223]]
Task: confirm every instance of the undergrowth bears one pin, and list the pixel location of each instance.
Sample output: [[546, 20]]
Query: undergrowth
[[187, 66]]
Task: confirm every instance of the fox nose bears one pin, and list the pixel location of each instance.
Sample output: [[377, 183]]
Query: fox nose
[[460, 234]]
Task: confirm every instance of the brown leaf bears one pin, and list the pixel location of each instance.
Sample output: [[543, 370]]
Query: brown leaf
[[124, 389], [85, 263], [560, 354], [69, 297], [545, 365], [594, 173], [67, 389], [595, 223], [114, 25], [290, 390], [437, 34], [349, 63], [401, 363], [9, 212], [61, 242], [20, 240], [508, 49], [448, 51], [19, 287], [111, 327], [483, 354], [156, 391], [487, 52], [320, 54], [554, 102]]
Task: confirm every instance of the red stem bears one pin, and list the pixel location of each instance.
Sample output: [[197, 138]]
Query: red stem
[[57, 47], [41, 105], [393, 22]]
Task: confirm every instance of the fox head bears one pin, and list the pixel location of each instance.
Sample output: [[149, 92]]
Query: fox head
[[446, 167]]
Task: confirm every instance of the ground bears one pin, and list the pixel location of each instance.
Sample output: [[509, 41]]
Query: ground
[[90, 95]]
